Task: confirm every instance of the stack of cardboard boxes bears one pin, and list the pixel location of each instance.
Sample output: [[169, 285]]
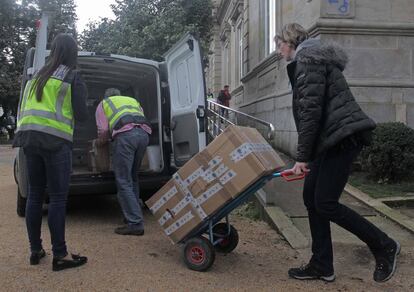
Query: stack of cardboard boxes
[[222, 171]]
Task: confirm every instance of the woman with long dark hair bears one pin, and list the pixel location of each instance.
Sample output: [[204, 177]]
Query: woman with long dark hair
[[52, 101]]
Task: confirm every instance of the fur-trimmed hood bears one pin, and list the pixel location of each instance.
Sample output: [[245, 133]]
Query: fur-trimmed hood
[[313, 51]]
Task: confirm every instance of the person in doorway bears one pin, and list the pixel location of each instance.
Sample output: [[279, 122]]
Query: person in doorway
[[332, 129], [122, 119], [52, 100], [224, 98]]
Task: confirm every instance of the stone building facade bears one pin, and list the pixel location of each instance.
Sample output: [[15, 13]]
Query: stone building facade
[[378, 36]]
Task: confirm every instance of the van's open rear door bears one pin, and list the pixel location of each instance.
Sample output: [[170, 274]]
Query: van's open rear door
[[187, 96], [41, 43]]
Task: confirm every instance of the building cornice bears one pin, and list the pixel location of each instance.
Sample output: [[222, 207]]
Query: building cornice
[[236, 10], [355, 27], [272, 58], [387, 83], [222, 9]]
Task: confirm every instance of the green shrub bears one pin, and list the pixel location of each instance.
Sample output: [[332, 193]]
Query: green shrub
[[390, 157]]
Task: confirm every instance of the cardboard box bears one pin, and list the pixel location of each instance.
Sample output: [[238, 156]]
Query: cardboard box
[[231, 163], [246, 155], [175, 211], [100, 157]]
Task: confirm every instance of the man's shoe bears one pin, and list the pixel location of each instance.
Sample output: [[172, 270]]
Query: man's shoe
[[386, 262], [309, 272], [130, 230], [36, 256], [60, 264]]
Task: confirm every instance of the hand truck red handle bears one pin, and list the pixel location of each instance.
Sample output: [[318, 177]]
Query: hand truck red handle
[[286, 174]]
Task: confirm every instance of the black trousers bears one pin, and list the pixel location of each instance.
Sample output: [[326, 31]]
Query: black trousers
[[322, 189]]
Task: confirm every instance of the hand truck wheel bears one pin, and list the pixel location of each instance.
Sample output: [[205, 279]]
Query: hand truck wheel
[[199, 254], [230, 239]]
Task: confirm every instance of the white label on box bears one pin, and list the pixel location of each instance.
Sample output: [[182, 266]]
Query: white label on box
[[179, 223], [209, 193], [168, 195], [227, 177], [192, 177]]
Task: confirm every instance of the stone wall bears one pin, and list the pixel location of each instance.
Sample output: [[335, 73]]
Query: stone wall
[[377, 35]]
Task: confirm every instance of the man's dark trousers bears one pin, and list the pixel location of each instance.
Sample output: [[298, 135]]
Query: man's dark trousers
[[128, 150]]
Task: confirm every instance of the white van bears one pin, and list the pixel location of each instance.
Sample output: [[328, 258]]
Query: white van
[[171, 92]]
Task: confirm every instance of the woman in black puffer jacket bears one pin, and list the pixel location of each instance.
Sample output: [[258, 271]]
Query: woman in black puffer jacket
[[332, 129]]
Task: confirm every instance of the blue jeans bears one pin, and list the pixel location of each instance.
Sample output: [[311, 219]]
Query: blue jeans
[[49, 169], [128, 150]]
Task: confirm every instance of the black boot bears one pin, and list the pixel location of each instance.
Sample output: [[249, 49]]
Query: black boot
[[36, 256]]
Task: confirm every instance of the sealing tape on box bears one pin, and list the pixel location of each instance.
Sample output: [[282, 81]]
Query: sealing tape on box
[[209, 193], [179, 223], [192, 177], [168, 195], [181, 205], [221, 170], [198, 208], [179, 181], [187, 192], [227, 177], [241, 152], [209, 174], [215, 161], [246, 148], [167, 216]]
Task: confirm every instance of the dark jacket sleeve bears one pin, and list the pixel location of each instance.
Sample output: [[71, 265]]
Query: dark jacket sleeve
[[79, 95], [220, 96], [311, 84]]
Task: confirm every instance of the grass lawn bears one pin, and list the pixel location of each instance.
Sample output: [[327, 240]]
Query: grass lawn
[[376, 190]]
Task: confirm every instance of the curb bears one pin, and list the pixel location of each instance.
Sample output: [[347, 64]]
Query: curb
[[283, 224], [401, 219]]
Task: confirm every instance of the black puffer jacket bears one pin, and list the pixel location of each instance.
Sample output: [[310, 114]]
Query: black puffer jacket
[[324, 108]]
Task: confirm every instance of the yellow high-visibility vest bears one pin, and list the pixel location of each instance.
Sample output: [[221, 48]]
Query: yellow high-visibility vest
[[117, 107], [53, 114]]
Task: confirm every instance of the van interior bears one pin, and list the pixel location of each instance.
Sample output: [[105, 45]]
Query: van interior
[[134, 79]]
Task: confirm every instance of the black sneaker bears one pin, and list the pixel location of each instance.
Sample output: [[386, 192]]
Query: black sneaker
[[130, 230], [36, 256], [386, 262], [309, 272]]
